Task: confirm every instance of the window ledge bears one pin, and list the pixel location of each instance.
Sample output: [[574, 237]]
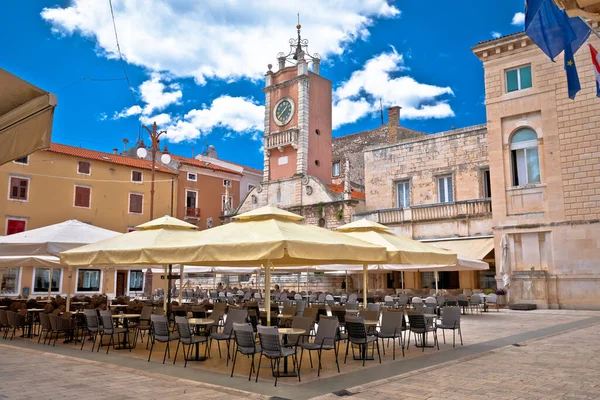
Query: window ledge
[[19, 200], [526, 187]]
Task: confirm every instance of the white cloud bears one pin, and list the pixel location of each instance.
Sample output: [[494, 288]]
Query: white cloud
[[496, 35], [160, 119], [518, 19], [237, 114], [157, 95], [128, 112], [359, 95], [216, 39]]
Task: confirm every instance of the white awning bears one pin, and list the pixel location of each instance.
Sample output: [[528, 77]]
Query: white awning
[[475, 248], [26, 115]]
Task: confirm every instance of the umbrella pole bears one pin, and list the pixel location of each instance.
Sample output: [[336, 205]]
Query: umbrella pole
[[365, 276], [180, 282], [1, 278], [268, 292], [402, 277], [435, 274], [166, 290], [70, 272], [50, 284], [299, 275]]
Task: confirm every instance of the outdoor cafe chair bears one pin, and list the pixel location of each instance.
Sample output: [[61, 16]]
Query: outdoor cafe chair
[[144, 325], [352, 298], [15, 321], [271, 348], [161, 334], [4, 323], [351, 306], [475, 303], [92, 325], [451, 320], [451, 301], [300, 306], [311, 313], [329, 300], [186, 338], [297, 296], [431, 300], [357, 335], [389, 301], [462, 302], [325, 339], [234, 315], [369, 315], [245, 344], [392, 326], [300, 323], [108, 328], [416, 300], [340, 313], [419, 325], [441, 300], [492, 299], [402, 300]]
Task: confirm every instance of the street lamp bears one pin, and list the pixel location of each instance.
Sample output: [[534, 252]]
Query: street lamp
[[165, 158]]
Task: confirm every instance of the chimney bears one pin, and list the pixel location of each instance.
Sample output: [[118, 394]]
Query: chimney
[[393, 123], [281, 62], [316, 65], [115, 151]]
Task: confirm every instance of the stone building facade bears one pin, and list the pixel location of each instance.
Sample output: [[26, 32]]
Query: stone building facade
[[350, 148], [435, 188], [545, 167]]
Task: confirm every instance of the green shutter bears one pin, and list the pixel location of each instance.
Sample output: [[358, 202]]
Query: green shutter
[[525, 77], [512, 80]]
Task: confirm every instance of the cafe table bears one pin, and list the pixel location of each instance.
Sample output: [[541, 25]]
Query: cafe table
[[200, 323], [30, 314], [125, 318], [285, 332]]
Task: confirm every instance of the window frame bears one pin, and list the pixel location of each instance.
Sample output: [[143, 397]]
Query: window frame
[[225, 183], [129, 203], [20, 158], [523, 146], [75, 196], [89, 291], [446, 192], [10, 178], [402, 182], [339, 166], [141, 176], [519, 86], [18, 283], [129, 290], [13, 219], [60, 281], [89, 168], [485, 186], [195, 176], [191, 191]]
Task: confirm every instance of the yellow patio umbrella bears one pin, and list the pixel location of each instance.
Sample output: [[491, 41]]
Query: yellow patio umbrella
[[400, 249]]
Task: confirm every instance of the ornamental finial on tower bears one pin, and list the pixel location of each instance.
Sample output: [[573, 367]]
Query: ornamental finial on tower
[[298, 51]]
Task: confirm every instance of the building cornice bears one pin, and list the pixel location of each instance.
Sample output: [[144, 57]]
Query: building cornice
[[287, 83]]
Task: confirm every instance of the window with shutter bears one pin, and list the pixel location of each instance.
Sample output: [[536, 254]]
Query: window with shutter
[[15, 226], [83, 167], [83, 196], [18, 188], [136, 202], [136, 176]]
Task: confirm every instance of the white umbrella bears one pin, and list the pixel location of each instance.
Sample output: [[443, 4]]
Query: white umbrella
[[505, 264]]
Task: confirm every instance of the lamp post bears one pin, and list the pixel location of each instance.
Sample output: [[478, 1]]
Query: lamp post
[[142, 152]]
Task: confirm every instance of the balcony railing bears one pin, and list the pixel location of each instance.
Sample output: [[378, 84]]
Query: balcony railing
[[280, 139], [192, 212], [430, 212]]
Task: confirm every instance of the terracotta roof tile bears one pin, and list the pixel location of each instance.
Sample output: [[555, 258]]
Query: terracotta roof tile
[[106, 157], [340, 189], [203, 164]]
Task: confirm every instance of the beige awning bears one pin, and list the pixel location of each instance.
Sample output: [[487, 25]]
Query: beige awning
[[477, 248], [26, 114]]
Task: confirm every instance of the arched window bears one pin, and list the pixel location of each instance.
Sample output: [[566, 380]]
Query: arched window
[[524, 157]]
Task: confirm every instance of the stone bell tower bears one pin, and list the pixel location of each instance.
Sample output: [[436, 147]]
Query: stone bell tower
[[298, 104]]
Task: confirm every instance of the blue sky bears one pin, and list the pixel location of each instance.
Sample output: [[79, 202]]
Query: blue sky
[[197, 67]]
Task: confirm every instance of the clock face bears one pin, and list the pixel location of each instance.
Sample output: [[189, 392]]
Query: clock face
[[283, 111]]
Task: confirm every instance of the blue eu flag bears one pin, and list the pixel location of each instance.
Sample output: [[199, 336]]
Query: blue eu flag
[[551, 29]]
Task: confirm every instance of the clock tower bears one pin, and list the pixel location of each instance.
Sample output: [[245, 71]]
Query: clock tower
[[298, 104]]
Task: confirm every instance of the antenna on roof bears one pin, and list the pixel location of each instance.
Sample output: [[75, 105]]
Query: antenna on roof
[[381, 110], [125, 142], [192, 151]]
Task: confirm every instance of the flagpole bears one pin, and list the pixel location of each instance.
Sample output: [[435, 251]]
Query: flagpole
[[591, 29]]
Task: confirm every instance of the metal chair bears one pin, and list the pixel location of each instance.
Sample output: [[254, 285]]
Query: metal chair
[[324, 340], [161, 334], [108, 328], [419, 325], [475, 303], [245, 344], [357, 335], [4, 323], [271, 348], [451, 320], [493, 299], [186, 338], [462, 302], [144, 325], [92, 325], [392, 326], [234, 315]]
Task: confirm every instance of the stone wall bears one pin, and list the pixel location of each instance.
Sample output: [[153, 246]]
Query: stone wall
[[462, 153]]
